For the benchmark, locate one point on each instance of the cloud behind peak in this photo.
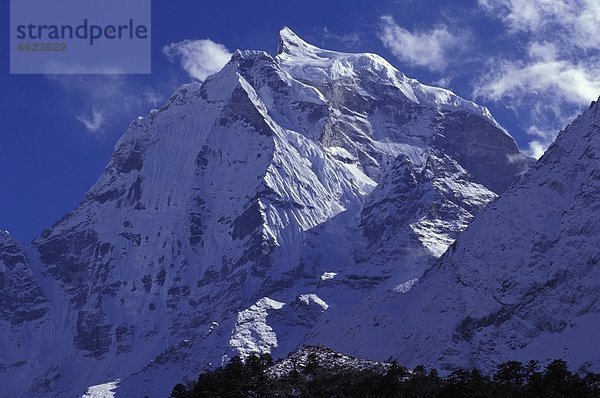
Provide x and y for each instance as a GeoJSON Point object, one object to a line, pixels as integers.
{"type": "Point", "coordinates": [199, 58]}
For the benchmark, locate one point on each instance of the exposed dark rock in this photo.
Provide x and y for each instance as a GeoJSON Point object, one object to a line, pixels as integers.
{"type": "Point", "coordinates": [247, 222]}
{"type": "Point", "coordinates": [135, 191]}
{"type": "Point", "coordinates": [196, 230]}
{"type": "Point", "coordinates": [106, 196]}
{"type": "Point", "coordinates": [201, 158]}
{"type": "Point", "coordinates": [161, 277]}
{"type": "Point", "coordinates": [93, 334]}
{"type": "Point", "coordinates": [135, 239]}
{"type": "Point", "coordinates": [481, 149]}
{"type": "Point", "coordinates": [128, 162]}
{"type": "Point", "coordinates": [124, 338]}
{"type": "Point", "coordinates": [147, 282]}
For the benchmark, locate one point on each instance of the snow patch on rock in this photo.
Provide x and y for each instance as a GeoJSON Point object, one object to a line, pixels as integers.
{"type": "Point", "coordinates": [106, 390]}
{"type": "Point", "coordinates": [251, 333]}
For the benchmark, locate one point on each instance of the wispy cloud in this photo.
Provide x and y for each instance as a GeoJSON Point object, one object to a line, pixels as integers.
{"type": "Point", "coordinates": [432, 49]}
{"type": "Point", "coordinates": [575, 22]}
{"type": "Point", "coordinates": [199, 58]}
{"type": "Point", "coordinates": [559, 69]}
{"type": "Point", "coordinates": [350, 39]}
{"type": "Point", "coordinates": [100, 101]}
{"type": "Point", "coordinates": [92, 123]}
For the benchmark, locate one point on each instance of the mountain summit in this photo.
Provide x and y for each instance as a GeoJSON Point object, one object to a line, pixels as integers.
{"type": "Point", "coordinates": [231, 219]}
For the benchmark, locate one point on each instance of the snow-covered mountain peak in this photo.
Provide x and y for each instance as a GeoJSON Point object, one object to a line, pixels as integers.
{"type": "Point", "coordinates": [218, 215]}
{"type": "Point", "coordinates": [290, 44]}
{"type": "Point", "coordinates": [307, 62]}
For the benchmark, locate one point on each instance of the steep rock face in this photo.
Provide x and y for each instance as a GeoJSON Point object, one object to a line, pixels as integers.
{"type": "Point", "coordinates": [236, 215]}
{"type": "Point", "coordinates": [520, 283]}
{"type": "Point", "coordinates": [428, 206]}
{"type": "Point", "coordinates": [21, 297]}
{"type": "Point", "coordinates": [23, 306]}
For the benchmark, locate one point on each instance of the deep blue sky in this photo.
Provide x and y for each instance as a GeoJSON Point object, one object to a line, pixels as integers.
{"type": "Point", "coordinates": [48, 159]}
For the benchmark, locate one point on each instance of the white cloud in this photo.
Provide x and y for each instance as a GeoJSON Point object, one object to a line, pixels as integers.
{"type": "Point", "coordinates": [544, 51]}
{"type": "Point", "coordinates": [351, 39]}
{"type": "Point", "coordinates": [573, 82]}
{"type": "Point", "coordinates": [199, 58]}
{"type": "Point", "coordinates": [432, 49]}
{"type": "Point", "coordinates": [573, 21]}
{"type": "Point", "coordinates": [517, 14]}
{"type": "Point", "coordinates": [443, 82]}
{"type": "Point", "coordinates": [93, 123]}
{"type": "Point", "coordinates": [559, 69]}
{"type": "Point", "coordinates": [100, 102]}
{"type": "Point", "coordinates": [537, 148]}
{"type": "Point", "coordinates": [540, 141]}
{"type": "Point", "coordinates": [547, 91]}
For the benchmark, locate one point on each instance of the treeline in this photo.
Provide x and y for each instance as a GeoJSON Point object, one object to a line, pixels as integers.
{"type": "Point", "coordinates": [251, 378]}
